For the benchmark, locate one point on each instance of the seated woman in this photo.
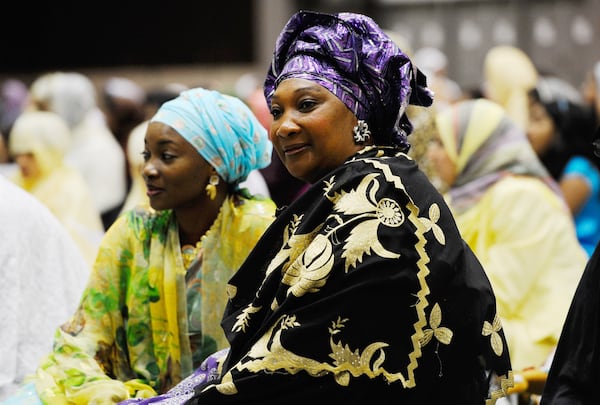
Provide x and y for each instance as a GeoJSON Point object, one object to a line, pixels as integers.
{"type": "Point", "coordinates": [39, 142]}
{"type": "Point", "coordinates": [511, 213]}
{"type": "Point", "coordinates": [560, 130]}
{"type": "Point", "coordinates": [151, 311]}
{"type": "Point", "coordinates": [362, 289]}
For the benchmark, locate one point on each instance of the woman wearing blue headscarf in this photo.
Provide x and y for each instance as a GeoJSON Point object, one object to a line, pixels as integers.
{"type": "Point", "coordinates": [151, 310]}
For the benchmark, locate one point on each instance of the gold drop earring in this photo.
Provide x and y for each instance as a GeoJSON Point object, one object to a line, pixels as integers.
{"type": "Point", "coordinates": [211, 187]}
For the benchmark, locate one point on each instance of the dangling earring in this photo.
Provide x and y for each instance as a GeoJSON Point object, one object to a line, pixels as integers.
{"type": "Point", "coordinates": [211, 187]}
{"type": "Point", "coordinates": [361, 132]}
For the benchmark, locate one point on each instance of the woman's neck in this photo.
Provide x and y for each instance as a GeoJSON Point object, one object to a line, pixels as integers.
{"type": "Point", "coordinates": [194, 223]}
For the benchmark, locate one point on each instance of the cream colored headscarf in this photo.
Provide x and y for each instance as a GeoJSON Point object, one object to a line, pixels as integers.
{"type": "Point", "coordinates": [509, 74]}
{"type": "Point", "coordinates": [46, 136]}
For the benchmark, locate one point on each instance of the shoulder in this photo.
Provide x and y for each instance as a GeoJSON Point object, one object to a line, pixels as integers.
{"type": "Point", "coordinates": [523, 197]}
{"type": "Point", "coordinates": [254, 204]}
{"type": "Point", "coordinates": [581, 166]}
{"type": "Point", "coordinates": [140, 223]}
{"type": "Point", "coordinates": [521, 187]}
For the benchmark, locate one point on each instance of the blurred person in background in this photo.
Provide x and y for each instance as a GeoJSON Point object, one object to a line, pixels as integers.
{"type": "Point", "coordinates": [137, 194]}
{"type": "Point", "coordinates": [508, 76]}
{"type": "Point", "coordinates": [561, 128]}
{"type": "Point", "coordinates": [158, 95]}
{"type": "Point", "coordinates": [434, 64]}
{"type": "Point", "coordinates": [512, 214]}
{"type": "Point", "coordinates": [94, 150]}
{"type": "Point", "coordinates": [123, 105]}
{"type": "Point", "coordinates": [590, 89]}
{"type": "Point", "coordinates": [42, 276]}
{"type": "Point", "coordinates": [575, 368]}
{"type": "Point", "coordinates": [38, 143]}
{"type": "Point", "coordinates": [14, 97]}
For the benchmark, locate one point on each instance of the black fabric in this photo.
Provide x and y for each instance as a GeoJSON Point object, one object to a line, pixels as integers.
{"type": "Point", "coordinates": [337, 300]}
{"type": "Point", "coordinates": [575, 371]}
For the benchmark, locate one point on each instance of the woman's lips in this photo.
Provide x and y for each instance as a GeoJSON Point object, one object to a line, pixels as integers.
{"type": "Point", "coordinates": [294, 149]}
{"type": "Point", "coordinates": [152, 191]}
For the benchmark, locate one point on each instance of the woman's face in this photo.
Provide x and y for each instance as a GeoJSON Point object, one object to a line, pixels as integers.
{"type": "Point", "coordinates": [444, 167]}
{"type": "Point", "coordinates": [28, 166]}
{"type": "Point", "coordinates": [311, 129]}
{"type": "Point", "coordinates": [175, 173]}
{"type": "Point", "coordinates": [540, 128]}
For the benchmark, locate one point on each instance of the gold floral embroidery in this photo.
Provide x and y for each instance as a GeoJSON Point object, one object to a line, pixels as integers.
{"type": "Point", "coordinates": [306, 261]}
{"type": "Point", "coordinates": [431, 223]}
{"type": "Point", "coordinates": [491, 330]}
{"type": "Point", "coordinates": [267, 354]}
{"type": "Point", "coordinates": [354, 361]}
{"type": "Point", "coordinates": [293, 245]}
{"type": "Point", "coordinates": [243, 318]}
{"type": "Point", "coordinates": [309, 272]}
{"type": "Point", "coordinates": [442, 334]}
{"type": "Point", "coordinates": [506, 382]}
{"type": "Point", "coordinates": [361, 203]}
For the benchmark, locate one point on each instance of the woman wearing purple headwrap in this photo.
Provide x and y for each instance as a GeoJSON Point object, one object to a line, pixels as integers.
{"type": "Point", "coordinates": [151, 311]}
{"type": "Point", "coordinates": [362, 289]}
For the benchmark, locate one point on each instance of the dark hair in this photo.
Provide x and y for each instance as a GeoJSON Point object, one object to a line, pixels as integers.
{"type": "Point", "coordinates": [575, 123]}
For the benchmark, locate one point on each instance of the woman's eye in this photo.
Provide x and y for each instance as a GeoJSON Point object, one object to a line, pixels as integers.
{"type": "Point", "coordinates": [145, 155]}
{"type": "Point", "coordinates": [167, 156]}
{"type": "Point", "coordinates": [306, 105]}
{"type": "Point", "coordinates": [275, 112]}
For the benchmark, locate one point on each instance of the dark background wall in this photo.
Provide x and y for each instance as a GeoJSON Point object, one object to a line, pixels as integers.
{"type": "Point", "coordinates": [61, 34]}
{"type": "Point", "coordinates": [198, 40]}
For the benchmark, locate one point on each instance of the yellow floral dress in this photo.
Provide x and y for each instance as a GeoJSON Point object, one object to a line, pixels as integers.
{"type": "Point", "coordinates": [131, 334]}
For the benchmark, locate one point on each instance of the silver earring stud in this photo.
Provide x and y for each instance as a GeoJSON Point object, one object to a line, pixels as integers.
{"type": "Point", "coordinates": [361, 132]}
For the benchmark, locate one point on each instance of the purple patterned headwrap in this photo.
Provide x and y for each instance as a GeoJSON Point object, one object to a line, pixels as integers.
{"type": "Point", "coordinates": [351, 56]}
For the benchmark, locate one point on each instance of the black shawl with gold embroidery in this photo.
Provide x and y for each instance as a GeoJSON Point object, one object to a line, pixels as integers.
{"type": "Point", "coordinates": [363, 290]}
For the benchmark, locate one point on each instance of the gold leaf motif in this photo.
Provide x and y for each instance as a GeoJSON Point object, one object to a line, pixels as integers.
{"type": "Point", "coordinates": [497, 345]}
{"type": "Point", "coordinates": [226, 386]}
{"type": "Point", "coordinates": [343, 378]}
{"type": "Point", "coordinates": [435, 317]}
{"type": "Point", "coordinates": [362, 240]}
{"type": "Point", "coordinates": [231, 291]}
{"type": "Point", "coordinates": [361, 200]}
{"type": "Point", "coordinates": [423, 340]}
{"type": "Point", "coordinates": [431, 223]}
{"type": "Point", "coordinates": [329, 184]}
{"type": "Point", "coordinates": [492, 329]}
{"type": "Point", "coordinates": [310, 272]}
{"type": "Point", "coordinates": [242, 319]}
{"type": "Point", "coordinates": [296, 245]}
{"type": "Point", "coordinates": [358, 243]}
{"type": "Point", "coordinates": [442, 334]}
{"type": "Point", "coordinates": [434, 213]}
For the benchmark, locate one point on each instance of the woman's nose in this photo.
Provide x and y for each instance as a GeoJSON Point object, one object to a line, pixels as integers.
{"type": "Point", "coordinates": [149, 169]}
{"type": "Point", "coordinates": [286, 127]}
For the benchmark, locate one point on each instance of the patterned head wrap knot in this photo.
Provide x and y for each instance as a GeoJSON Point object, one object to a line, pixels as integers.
{"type": "Point", "coordinates": [352, 57]}
{"type": "Point", "coordinates": [223, 130]}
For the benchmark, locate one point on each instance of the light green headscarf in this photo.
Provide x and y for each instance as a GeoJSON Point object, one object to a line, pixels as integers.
{"type": "Point", "coordinates": [223, 130]}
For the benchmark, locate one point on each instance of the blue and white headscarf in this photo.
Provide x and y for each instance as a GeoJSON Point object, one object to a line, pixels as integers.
{"type": "Point", "coordinates": [222, 129]}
